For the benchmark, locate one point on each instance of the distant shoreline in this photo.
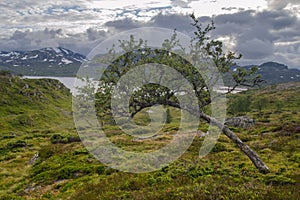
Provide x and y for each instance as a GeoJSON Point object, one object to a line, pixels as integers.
{"type": "Point", "coordinates": [67, 81]}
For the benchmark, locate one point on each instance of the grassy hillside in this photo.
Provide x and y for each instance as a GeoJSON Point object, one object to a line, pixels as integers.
{"type": "Point", "coordinates": [35, 117]}
{"type": "Point", "coordinates": [30, 112]}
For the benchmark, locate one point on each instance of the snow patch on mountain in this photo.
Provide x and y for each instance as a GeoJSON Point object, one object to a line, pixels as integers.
{"type": "Point", "coordinates": [33, 57]}
{"type": "Point", "coordinates": [66, 61]}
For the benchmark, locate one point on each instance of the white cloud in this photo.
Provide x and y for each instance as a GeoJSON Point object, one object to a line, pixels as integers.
{"type": "Point", "coordinates": [73, 15]}
{"type": "Point", "coordinates": [209, 7]}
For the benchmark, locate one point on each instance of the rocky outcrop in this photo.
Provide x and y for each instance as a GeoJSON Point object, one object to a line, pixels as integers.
{"type": "Point", "coordinates": [241, 121]}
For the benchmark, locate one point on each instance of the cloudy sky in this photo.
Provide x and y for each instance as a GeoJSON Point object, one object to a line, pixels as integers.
{"type": "Point", "coordinates": [262, 30]}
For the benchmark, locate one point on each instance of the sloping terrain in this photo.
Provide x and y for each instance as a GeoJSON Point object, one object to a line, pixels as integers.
{"type": "Point", "coordinates": [41, 156]}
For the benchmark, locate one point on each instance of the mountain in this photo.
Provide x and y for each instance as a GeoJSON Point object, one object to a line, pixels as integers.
{"type": "Point", "coordinates": [274, 73]}
{"type": "Point", "coordinates": [64, 62]}
{"type": "Point", "coordinates": [43, 62]}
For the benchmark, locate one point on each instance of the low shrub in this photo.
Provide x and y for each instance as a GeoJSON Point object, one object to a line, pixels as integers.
{"type": "Point", "coordinates": [278, 180]}
{"type": "Point", "coordinates": [57, 138]}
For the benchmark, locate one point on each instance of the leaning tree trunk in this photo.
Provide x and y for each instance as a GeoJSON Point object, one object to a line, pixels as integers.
{"type": "Point", "coordinates": [259, 164]}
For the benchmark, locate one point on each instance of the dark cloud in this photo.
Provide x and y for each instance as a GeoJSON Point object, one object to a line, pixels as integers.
{"type": "Point", "coordinates": [122, 25]}
{"type": "Point", "coordinates": [82, 42]}
{"type": "Point", "coordinates": [276, 19]}
{"type": "Point", "coordinates": [180, 3]}
{"type": "Point", "coordinates": [257, 35]}
{"type": "Point", "coordinates": [179, 22]}
{"type": "Point", "coordinates": [240, 18]}
{"type": "Point", "coordinates": [31, 40]}
{"type": "Point", "coordinates": [255, 49]}
{"type": "Point", "coordinates": [94, 34]}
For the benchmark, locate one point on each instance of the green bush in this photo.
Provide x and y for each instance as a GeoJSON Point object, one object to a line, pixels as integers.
{"type": "Point", "coordinates": [13, 146]}
{"type": "Point", "coordinates": [49, 150]}
{"type": "Point", "coordinates": [57, 138]}
{"type": "Point", "coordinates": [218, 147]}
{"type": "Point", "coordinates": [17, 144]}
{"type": "Point", "coordinates": [240, 104]}
{"type": "Point", "coordinates": [11, 197]}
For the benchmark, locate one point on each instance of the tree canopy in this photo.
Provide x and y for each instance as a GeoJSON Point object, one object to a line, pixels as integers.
{"type": "Point", "coordinates": [203, 52]}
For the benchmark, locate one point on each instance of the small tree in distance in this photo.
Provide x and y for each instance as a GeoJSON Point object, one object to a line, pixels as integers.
{"type": "Point", "coordinates": [241, 104]}
{"type": "Point", "coordinates": [259, 104]}
{"type": "Point", "coordinates": [168, 116]}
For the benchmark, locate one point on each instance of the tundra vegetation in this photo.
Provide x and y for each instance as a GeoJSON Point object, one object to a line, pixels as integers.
{"type": "Point", "coordinates": [42, 124]}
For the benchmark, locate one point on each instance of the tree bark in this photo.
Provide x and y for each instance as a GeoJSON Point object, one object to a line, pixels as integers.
{"type": "Point", "coordinates": [256, 160]}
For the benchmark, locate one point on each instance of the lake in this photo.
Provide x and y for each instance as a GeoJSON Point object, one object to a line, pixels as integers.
{"type": "Point", "coordinates": [69, 83]}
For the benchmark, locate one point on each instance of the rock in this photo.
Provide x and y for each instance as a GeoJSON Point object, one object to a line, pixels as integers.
{"type": "Point", "coordinates": [241, 121]}
{"type": "Point", "coordinates": [137, 139]}
{"type": "Point", "coordinates": [201, 134]}
{"type": "Point", "coordinates": [33, 159]}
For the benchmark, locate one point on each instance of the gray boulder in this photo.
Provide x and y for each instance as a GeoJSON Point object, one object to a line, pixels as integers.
{"type": "Point", "coordinates": [241, 121]}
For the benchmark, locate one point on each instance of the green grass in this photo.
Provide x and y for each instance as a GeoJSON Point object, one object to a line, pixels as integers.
{"type": "Point", "coordinates": [38, 118]}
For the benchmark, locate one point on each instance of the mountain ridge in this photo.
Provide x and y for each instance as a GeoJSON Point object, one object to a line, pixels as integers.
{"type": "Point", "coordinates": [60, 62]}
{"type": "Point", "coordinates": [42, 62]}
{"type": "Point", "coordinates": [274, 72]}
